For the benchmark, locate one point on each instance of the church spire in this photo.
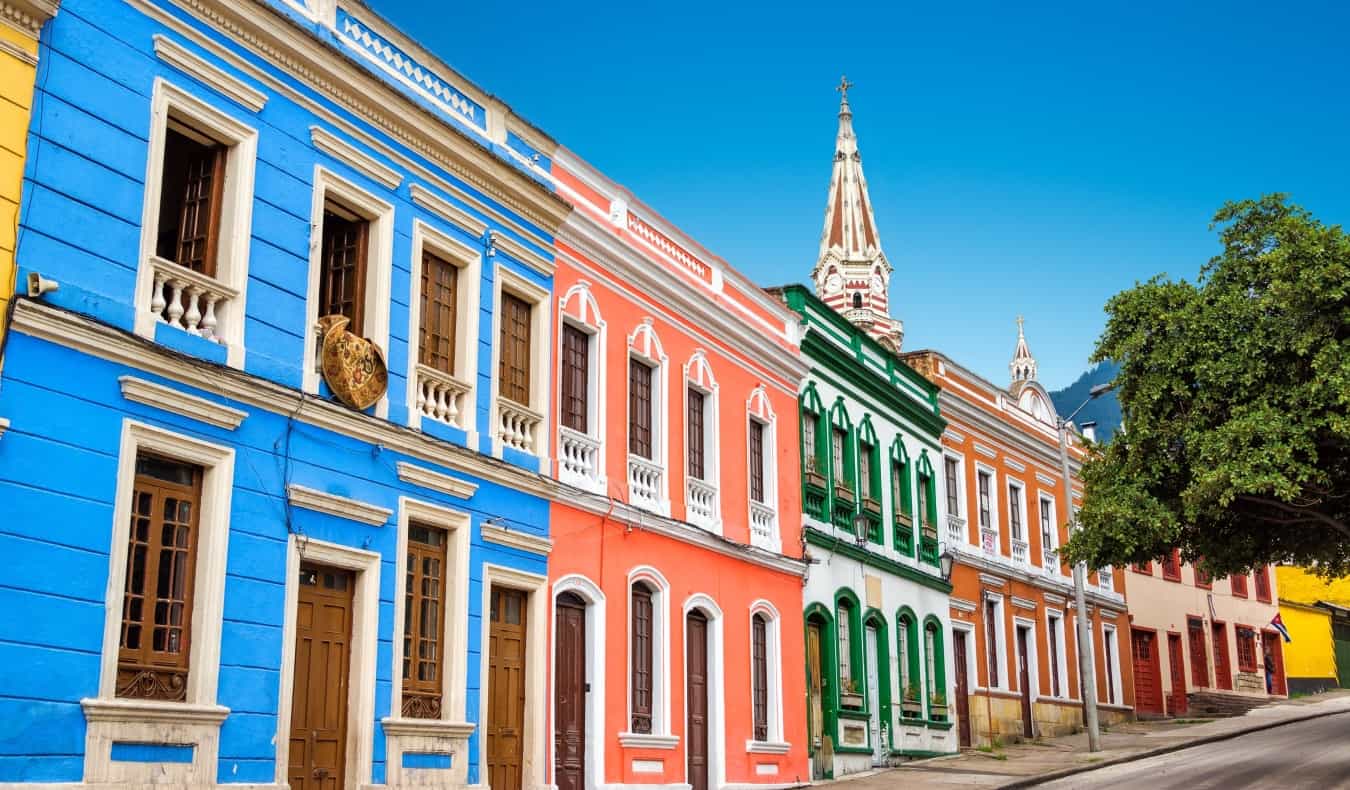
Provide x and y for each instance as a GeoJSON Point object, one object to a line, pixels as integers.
{"type": "Point", "coordinates": [1023, 365]}
{"type": "Point", "coordinates": [851, 273]}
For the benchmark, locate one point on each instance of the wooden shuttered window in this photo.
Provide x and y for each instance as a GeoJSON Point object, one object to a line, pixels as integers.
{"type": "Point", "coordinates": [424, 622]}
{"type": "Point", "coordinates": [759, 660]}
{"type": "Point", "coordinates": [342, 267]}
{"type": "Point", "coordinates": [1047, 529]}
{"type": "Point", "coordinates": [1195, 629]}
{"type": "Point", "coordinates": [641, 659]}
{"type": "Point", "coordinates": [639, 409]}
{"type": "Point", "coordinates": [697, 425]}
{"type": "Point", "coordinates": [924, 490]}
{"type": "Point", "coordinates": [513, 367]}
{"type": "Point", "coordinates": [865, 471]}
{"type": "Point", "coordinates": [440, 304]}
{"type": "Point", "coordinates": [152, 661]}
{"type": "Point", "coordinates": [757, 461]}
{"type": "Point", "coordinates": [189, 201]}
{"type": "Point", "coordinates": [838, 446]}
{"type": "Point", "coordinates": [575, 378]}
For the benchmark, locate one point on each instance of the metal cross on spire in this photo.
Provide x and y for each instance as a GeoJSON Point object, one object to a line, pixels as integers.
{"type": "Point", "coordinates": [844, 85]}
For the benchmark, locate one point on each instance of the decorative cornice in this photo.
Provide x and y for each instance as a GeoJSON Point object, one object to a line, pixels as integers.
{"type": "Point", "coordinates": [633, 740]}
{"type": "Point", "coordinates": [349, 155]}
{"type": "Point", "coordinates": [962, 605]}
{"type": "Point", "coordinates": [447, 211]}
{"type": "Point", "coordinates": [1055, 600]}
{"type": "Point", "coordinates": [1045, 479]}
{"type": "Point", "coordinates": [191, 406]}
{"type": "Point", "coordinates": [521, 253]}
{"type": "Point", "coordinates": [985, 451]}
{"type": "Point", "coordinates": [131, 711]}
{"type": "Point", "coordinates": [504, 536]}
{"type": "Point", "coordinates": [420, 476]}
{"type": "Point", "coordinates": [178, 56]}
{"type": "Point", "coordinates": [427, 728]}
{"type": "Point", "coordinates": [767, 747]}
{"type": "Point", "coordinates": [335, 505]}
{"type": "Point", "coordinates": [1023, 603]}
{"type": "Point", "coordinates": [1016, 466]}
{"type": "Point", "coordinates": [993, 581]}
{"type": "Point", "coordinates": [28, 16]}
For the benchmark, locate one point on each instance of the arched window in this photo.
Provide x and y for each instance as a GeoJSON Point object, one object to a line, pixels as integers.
{"type": "Point", "coordinates": [902, 506]}
{"type": "Point", "coordinates": [936, 669]}
{"type": "Point", "coordinates": [926, 509]}
{"type": "Point", "coordinates": [647, 420]}
{"type": "Point", "coordinates": [766, 661]}
{"type": "Point", "coordinates": [848, 630]}
{"type": "Point", "coordinates": [869, 479]}
{"type": "Point", "coordinates": [857, 299]}
{"type": "Point", "coordinates": [907, 645]}
{"type": "Point", "coordinates": [642, 630]}
{"type": "Point", "coordinates": [843, 472]}
{"type": "Point", "coordinates": [702, 461]}
{"type": "Point", "coordinates": [581, 401]}
{"type": "Point", "coordinates": [648, 653]}
{"type": "Point", "coordinates": [815, 475]}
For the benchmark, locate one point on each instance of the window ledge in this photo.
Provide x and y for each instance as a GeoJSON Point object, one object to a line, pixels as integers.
{"type": "Point", "coordinates": [633, 740]}
{"type": "Point", "coordinates": [767, 747]}
{"type": "Point", "coordinates": [436, 728]}
{"type": "Point", "coordinates": [157, 711]}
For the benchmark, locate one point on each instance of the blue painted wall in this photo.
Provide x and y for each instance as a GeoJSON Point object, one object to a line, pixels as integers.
{"type": "Point", "coordinates": [83, 192]}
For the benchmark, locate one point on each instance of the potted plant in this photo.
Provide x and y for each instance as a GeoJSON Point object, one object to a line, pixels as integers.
{"type": "Point", "coordinates": [813, 473]}
{"type": "Point", "coordinates": [937, 706]}
{"type": "Point", "coordinates": [871, 506]}
{"type": "Point", "coordinates": [843, 491]}
{"type": "Point", "coordinates": [912, 704]}
{"type": "Point", "coordinates": [849, 696]}
{"type": "Point", "coordinates": [928, 529]}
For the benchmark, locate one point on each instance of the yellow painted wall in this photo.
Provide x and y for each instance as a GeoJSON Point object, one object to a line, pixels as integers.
{"type": "Point", "coordinates": [17, 76]}
{"type": "Point", "coordinates": [1311, 654]}
{"type": "Point", "coordinates": [1301, 586]}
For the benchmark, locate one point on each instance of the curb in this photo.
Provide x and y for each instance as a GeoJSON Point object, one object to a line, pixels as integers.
{"type": "Point", "coordinates": [1033, 781]}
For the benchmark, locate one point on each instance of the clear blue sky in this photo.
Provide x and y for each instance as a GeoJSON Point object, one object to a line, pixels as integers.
{"type": "Point", "coordinates": [1022, 157]}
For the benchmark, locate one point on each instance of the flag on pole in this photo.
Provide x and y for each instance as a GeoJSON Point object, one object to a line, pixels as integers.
{"type": "Point", "coordinates": [1279, 626]}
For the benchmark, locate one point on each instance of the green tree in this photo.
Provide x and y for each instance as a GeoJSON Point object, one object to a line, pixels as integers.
{"type": "Point", "coordinates": [1235, 393]}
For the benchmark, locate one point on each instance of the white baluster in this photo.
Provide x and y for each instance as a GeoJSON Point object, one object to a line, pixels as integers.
{"type": "Point", "coordinates": [176, 303]}
{"type": "Point", "coordinates": [157, 297]}
{"type": "Point", "coordinates": [209, 317]}
{"type": "Point", "coordinates": [192, 318]}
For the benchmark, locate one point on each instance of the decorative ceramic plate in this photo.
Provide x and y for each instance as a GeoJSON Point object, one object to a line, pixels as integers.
{"type": "Point", "coordinates": [353, 366]}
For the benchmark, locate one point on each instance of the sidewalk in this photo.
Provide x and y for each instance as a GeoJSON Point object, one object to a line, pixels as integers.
{"type": "Point", "coordinates": [1027, 764]}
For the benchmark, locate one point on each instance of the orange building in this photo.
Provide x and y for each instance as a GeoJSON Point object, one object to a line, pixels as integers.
{"type": "Point", "coordinates": [676, 570]}
{"type": "Point", "coordinates": [1012, 603]}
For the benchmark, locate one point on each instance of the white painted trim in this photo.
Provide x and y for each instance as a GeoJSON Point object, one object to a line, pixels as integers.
{"type": "Point", "coordinates": [534, 748]}
{"type": "Point", "coordinates": [1023, 603]}
{"type": "Point", "coordinates": [661, 673]}
{"type": "Point", "coordinates": [172, 400]}
{"type": "Point", "coordinates": [773, 659]}
{"type": "Point", "coordinates": [1033, 661]}
{"type": "Point", "coordinates": [961, 499]}
{"type": "Point", "coordinates": [962, 605]}
{"type": "Point", "coordinates": [352, 157]}
{"type": "Point", "coordinates": [186, 61]}
{"type": "Point", "coordinates": [521, 253]}
{"type": "Point", "coordinates": [632, 740]}
{"type": "Point", "coordinates": [435, 481]}
{"type": "Point", "coordinates": [1043, 496]}
{"type": "Point", "coordinates": [505, 536]}
{"type": "Point", "coordinates": [335, 505]}
{"type": "Point", "coordinates": [236, 210]}
{"type": "Point", "coordinates": [717, 715]}
{"type": "Point", "coordinates": [504, 279]}
{"type": "Point", "coordinates": [364, 648]}
{"type": "Point", "coordinates": [1000, 641]}
{"type": "Point", "coordinates": [644, 345]}
{"type": "Point", "coordinates": [1054, 622]}
{"type": "Point", "coordinates": [995, 516]}
{"type": "Point", "coordinates": [697, 374]}
{"type": "Point", "coordinates": [589, 320]}
{"type": "Point", "coordinates": [766, 747]}
{"type": "Point", "coordinates": [468, 304]}
{"type": "Point", "coordinates": [446, 211]}
{"type": "Point", "coordinates": [770, 450]}
{"type": "Point", "coordinates": [1111, 658]}
{"type": "Point", "coordinates": [596, 666]}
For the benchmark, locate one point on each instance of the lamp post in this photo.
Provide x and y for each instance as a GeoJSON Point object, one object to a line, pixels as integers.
{"type": "Point", "coordinates": [1086, 672]}
{"type": "Point", "coordinates": [945, 562]}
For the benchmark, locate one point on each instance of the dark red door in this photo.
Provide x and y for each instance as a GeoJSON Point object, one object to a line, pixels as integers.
{"type": "Point", "coordinates": [1270, 641]}
{"type": "Point", "coordinates": [696, 690]}
{"type": "Point", "coordinates": [1223, 667]}
{"type": "Point", "coordinates": [569, 705]}
{"type": "Point", "coordinates": [962, 688]}
{"type": "Point", "coordinates": [1024, 680]}
{"type": "Point", "coordinates": [1147, 679]}
{"type": "Point", "coordinates": [1195, 629]}
{"type": "Point", "coordinates": [1178, 701]}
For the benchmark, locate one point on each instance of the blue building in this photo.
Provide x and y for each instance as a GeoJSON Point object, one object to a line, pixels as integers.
{"type": "Point", "coordinates": [219, 571]}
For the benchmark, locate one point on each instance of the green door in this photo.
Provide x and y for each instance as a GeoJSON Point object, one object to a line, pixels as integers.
{"type": "Point", "coordinates": [1340, 633]}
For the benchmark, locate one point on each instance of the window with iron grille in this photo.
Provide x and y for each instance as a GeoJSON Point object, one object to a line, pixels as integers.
{"type": "Point", "coordinates": [1262, 577]}
{"type": "Point", "coordinates": [759, 649]}
{"type": "Point", "coordinates": [513, 366]}
{"type": "Point", "coordinates": [440, 304]}
{"type": "Point", "coordinates": [1195, 629]}
{"type": "Point", "coordinates": [842, 626]}
{"type": "Point", "coordinates": [982, 482]}
{"type": "Point", "coordinates": [757, 461]}
{"type": "Point", "coordinates": [424, 622]}
{"type": "Point", "coordinates": [642, 658]}
{"type": "Point", "coordinates": [950, 469]}
{"type": "Point", "coordinates": [1246, 649]}
{"type": "Point", "coordinates": [190, 198]}
{"type": "Point", "coordinates": [639, 409]}
{"type": "Point", "coordinates": [153, 652]}
{"type": "Point", "coordinates": [695, 421]}
{"type": "Point", "coordinates": [342, 266]}
{"type": "Point", "coordinates": [575, 378]}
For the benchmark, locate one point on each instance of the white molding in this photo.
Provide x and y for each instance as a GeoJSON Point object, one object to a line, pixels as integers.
{"type": "Point", "coordinates": [633, 740]}
{"type": "Point", "coordinates": [985, 451]}
{"type": "Point", "coordinates": [1016, 466]}
{"type": "Point", "coordinates": [4, 426]}
{"type": "Point", "coordinates": [661, 676]}
{"type": "Point", "coordinates": [335, 505]}
{"type": "Point", "coordinates": [353, 157]}
{"type": "Point", "coordinates": [438, 728]}
{"type": "Point", "coordinates": [993, 581]}
{"type": "Point", "coordinates": [715, 679]}
{"type": "Point", "coordinates": [767, 747]}
{"type": "Point", "coordinates": [447, 212]}
{"type": "Point", "coordinates": [505, 536]}
{"type": "Point", "coordinates": [521, 253]}
{"type": "Point", "coordinates": [172, 400]}
{"type": "Point", "coordinates": [595, 670]}
{"type": "Point", "coordinates": [534, 748]}
{"type": "Point", "coordinates": [1023, 603]}
{"type": "Point", "coordinates": [1051, 598]}
{"type": "Point", "coordinates": [1046, 480]}
{"type": "Point", "coordinates": [962, 605]}
{"type": "Point", "coordinates": [178, 56]}
{"type": "Point", "coordinates": [541, 379]}
{"type": "Point", "coordinates": [126, 711]}
{"type": "Point", "coordinates": [435, 481]}
{"type": "Point", "coordinates": [468, 262]}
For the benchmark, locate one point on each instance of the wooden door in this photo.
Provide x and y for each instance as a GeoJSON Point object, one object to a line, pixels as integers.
{"type": "Point", "coordinates": [1223, 666]}
{"type": "Point", "coordinates": [1270, 642]}
{"type": "Point", "coordinates": [569, 681]}
{"type": "Point", "coordinates": [1147, 677]}
{"type": "Point", "coordinates": [1178, 702]}
{"type": "Point", "coordinates": [696, 703]}
{"type": "Point", "coordinates": [1195, 630]}
{"type": "Point", "coordinates": [1340, 640]}
{"type": "Point", "coordinates": [962, 688]}
{"type": "Point", "coordinates": [815, 714]}
{"type": "Point", "coordinates": [323, 632]}
{"type": "Point", "coordinates": [506, 688]}
{"type": "Point", "coordinates": [1024, 680]}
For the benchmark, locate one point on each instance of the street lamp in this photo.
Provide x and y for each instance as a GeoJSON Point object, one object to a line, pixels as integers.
{"type": "Point", "coordinates": [945, 562]}
{"type": "Point", "coordinates": [860, 529]}
{"type": "Point", "coordinates": [1086, 672]}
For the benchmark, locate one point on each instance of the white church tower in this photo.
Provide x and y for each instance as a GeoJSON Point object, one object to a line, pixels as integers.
{"type": "Point", "coordinates": [852, 274]}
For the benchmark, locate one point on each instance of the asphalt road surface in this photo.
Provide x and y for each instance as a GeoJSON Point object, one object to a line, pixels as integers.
{"type": "Point", "coordinates": [1309, 754]}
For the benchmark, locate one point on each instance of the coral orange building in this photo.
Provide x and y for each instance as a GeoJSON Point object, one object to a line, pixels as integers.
{"type": "Point", "coordinates": [676, 571]}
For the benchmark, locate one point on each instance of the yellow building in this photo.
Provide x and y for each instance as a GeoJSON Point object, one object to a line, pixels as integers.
{"type": "Point", "coordinates": [20, 23]}
{"type": "Point", "coordinates": [1317, 614]}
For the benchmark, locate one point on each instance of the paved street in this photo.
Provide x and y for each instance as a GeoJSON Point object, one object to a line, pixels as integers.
{"type": "Point", "coordinates": [1309, 754]}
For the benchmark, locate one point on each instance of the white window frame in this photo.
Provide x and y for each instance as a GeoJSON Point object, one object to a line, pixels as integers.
{"type": "Point", "coordinates": [972, 666]}
{"type": "Point", "coordinates": [1021, 502]}
{"type": "Point", "coordinates": [960, 483]}
{"type": "Point", "coordinates": [196, 720]}
{"type": "Point", "coordinates": [716, 681]}
{"type": "Point", "coordinates": [760, 410]}
{"type": "Point", "coordinates": [775, 743]}
{"type": "Point", "coordinates": [596, 663]}
{"type": "Point", "coordinates": [698, 376]}
{"type": "Point", "coordinates": [995, 520]}
{"type": "Point", "coordinates": [1054, 623]}
{"type": "Point", "coordinates": [426, 238]}
{"type": "Point", "coordinates": [1033, 656]}
{"type": "Point", "coordinates": [379, 264]}
{"type": "Point", "coordinates": [534, 749]}
{"type": "Point", "coordinates": [1111, 659]}
{"type": "Point", "coordinates": [1000, 642]}
{"type": "Point", "coordinates": [1043, 496]}
{"type": "Point", "coordinates": [586, 317]}
{"type": "Point", "coordinates": [236, 209]}
{"type": "Point", "coordinates": [661, 736]}
{"type": "Point", "coordinates": [540, 320]}
{"type": "Point", "coordinates": [644, 346]}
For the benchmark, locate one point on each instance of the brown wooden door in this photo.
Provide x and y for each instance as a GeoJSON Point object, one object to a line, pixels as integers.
{"type": "Point", "coordinates": [696, 705]}
{"type": "Point", "coordinates": [506, 688]}
{"type": "Point", "coordinates": [1024, 680]}
{"type": "Point", "coordinates": [1147, 679]}
{"type": "Point", "coordinates": [1195, 632]}
{"type": "Point", "coordinates": [1178, 702]}
{"type": "Point", "coordinates": [323, 631]}
{"type": "Point", "coordinates": [815, 713]}
{"type": "Point", "coordinates": [569, 706]}
{"type": "Point", "coordinates": [962, 687]}
{"type": "Point", "coordinates": [1223, 665]}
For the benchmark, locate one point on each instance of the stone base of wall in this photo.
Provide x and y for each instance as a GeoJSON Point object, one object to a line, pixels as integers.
{"type": "Point", "coordinates": [1049, 719]}
{"type": "Point", "coordinates": [1312, 685]}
